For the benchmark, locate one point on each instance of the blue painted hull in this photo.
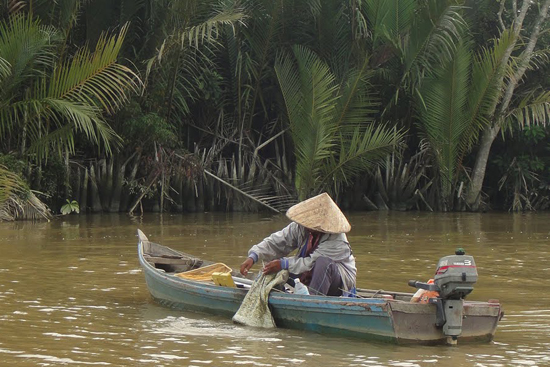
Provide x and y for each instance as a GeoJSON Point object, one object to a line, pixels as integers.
{"type": "Point", "coordinates": [366, 318]}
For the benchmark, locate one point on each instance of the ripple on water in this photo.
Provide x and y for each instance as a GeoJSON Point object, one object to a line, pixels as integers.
{"type": "Point", "coordinates": [58, 360]}
{"type": "Point", "coordinates": [206, 327]}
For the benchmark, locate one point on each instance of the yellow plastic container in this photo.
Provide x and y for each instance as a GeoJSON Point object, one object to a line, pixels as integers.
{"type": "Point", "coordinates": [223, 279]}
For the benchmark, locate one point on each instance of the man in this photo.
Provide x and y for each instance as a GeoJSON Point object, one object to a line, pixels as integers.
{"type": "Point", "coordinates": [324, 260]}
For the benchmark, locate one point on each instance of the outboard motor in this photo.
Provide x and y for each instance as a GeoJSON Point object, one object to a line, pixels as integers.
{"type": "Point", "coordinates": [454, 280]}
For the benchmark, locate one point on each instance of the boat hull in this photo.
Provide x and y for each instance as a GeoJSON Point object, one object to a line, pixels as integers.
{"type": "Point", "coordinates": [365, 318]}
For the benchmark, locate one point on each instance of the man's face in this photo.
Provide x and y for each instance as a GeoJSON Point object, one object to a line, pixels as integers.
{"type": "Point", "coordinates": [313, 233]}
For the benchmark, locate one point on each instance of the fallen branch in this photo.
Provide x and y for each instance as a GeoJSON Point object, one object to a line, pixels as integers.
{"type": "Point", "coordinates": [241, 191]}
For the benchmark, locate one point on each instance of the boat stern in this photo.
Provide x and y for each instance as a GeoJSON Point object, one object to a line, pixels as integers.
{"type": "Point", "coordinates": [417, 323]}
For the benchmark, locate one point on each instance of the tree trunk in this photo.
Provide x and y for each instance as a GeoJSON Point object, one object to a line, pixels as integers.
{"type": "Point", "coordinates": [118, 179]}
{"type": "Point", "coordinates": [189, 204]}
{"type": "Point", "coordinates": [162, 189]}
{"type": "Point", "coordinates": [126, 193]}
{"type": "Point", "coordinates": [96, 201]}
{"type": "Point", "coordinates": [106, 182]}
{"type": "Point", "coordinates": [76, 191]}
{"type": "Point", "coordinates": [237, 203]}
{"type": "Point", "coordinates": [210, 198]}
{"type": "Point", "coordinates": [478, 175]}
{"type": "Point", "coordinates": [150, 181]}
{"type": "Point", "coordinates": [37, 181]}
{"type": "Point", "coordinates": [178, 186]}
{"type": "Point", "coordinates": [473, 195]}
{"type": "Point", "coordinates": [84, 191]}
{"type": "Point", "coordinates": [67, 175]}
{"type": "Point", "coordinates": [200, 195]}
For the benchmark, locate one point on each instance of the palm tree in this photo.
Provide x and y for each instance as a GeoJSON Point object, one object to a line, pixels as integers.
{"type": "Point", "coordinates": [332, 128]}
{"type": "Point", "coordinates": [454, 107]}
{"type": "Point", "coordinates": [47, 102]}
{"type": "Point", "coordinates": [410, 39]}
{"type": "Point", "coordinates": [519, 60]}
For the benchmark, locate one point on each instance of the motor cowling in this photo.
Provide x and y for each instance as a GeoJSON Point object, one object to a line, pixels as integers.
{"type": "Point", "coordinates": [455, 275]}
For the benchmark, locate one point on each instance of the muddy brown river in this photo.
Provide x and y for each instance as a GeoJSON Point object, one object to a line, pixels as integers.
{"type": "Point", "coordinates": [72, 292]}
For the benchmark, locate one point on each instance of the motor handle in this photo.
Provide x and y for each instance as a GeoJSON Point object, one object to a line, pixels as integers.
{"type": "Point", "coordinates": [422, 285]}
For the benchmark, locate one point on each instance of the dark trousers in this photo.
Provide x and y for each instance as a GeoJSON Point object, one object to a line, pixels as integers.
{"type": "Point", "coordinates": [325, 278]}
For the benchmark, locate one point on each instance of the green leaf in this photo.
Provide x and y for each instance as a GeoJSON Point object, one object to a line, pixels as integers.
{"type": "Point", "coordinates": [71, 206]}
{"type": "Point", "coordinates": [330, 123]}
{"type": "Point", "coordinates": [53, 100]}
{"type": "Point", "coordinates": [444, 118]}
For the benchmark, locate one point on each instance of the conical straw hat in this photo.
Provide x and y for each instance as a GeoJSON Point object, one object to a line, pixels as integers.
{"type": "Point", "coordinates": [319, 213]}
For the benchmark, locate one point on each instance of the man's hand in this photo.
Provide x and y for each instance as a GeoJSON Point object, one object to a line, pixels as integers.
{"type": "Point", "coordinates": [271, 267]}
{"type": "Point", "coordinates": [246, 265]}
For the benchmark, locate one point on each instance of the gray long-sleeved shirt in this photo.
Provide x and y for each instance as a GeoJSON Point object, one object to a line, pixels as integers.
{"type": "Point", "coordinates": [294, 236]}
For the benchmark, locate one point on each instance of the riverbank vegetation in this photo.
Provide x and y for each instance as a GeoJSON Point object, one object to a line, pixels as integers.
{"type": "Point", "coordinates": [227, 105]}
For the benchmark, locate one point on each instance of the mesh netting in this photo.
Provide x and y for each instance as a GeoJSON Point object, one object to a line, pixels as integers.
{"type": "Point", "coordinates": [205, 273]}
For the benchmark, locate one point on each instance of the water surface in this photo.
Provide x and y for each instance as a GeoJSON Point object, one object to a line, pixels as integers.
{"type": "Point", "coordinates": [72, 292]}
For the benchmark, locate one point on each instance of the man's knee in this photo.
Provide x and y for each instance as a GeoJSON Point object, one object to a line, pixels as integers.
{"type": "Point", "coordinates": [326, 277]}
{"type": "Point", "coordinates": [325, 265]}
{"type": "Point", "coordinates": [323, 262]}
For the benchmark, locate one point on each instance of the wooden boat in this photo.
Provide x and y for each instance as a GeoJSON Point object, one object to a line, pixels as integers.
{"type": "Point", "coordinates": [373, 315]}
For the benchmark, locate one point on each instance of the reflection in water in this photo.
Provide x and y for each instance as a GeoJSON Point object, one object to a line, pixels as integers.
{"type": "Point", "coordinates": [72, 293]}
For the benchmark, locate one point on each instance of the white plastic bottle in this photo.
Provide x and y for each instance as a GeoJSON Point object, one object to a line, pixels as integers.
{"type": "Point", "coordinates": [416, 297]}
{"type": "Point", "coordinates": [299, 287]}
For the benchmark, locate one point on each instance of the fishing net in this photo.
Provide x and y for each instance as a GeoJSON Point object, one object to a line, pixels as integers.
{"type": "Point", "coordinates": [205, 273]}
{"type": "Point", "coordinates": [254, 310]}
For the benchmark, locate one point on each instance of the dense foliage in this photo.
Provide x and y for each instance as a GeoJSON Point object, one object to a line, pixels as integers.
{"type": "Point", "coordinates": [187, 105]}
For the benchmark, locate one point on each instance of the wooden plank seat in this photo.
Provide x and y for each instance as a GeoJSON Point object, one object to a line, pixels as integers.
{"type": "Point", "coordinates": [172, 263]}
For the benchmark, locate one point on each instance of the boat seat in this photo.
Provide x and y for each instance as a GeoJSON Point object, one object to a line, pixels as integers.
{"type": "Point", "coordinates": [172, 264]}
{"type": "Point", "coordinates": [173, 260]}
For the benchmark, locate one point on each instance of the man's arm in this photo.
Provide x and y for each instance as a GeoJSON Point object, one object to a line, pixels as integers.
{"type": "Point", "coordinates": [275, 246]}
{"type": "Point", "coordinates": [334, 247]}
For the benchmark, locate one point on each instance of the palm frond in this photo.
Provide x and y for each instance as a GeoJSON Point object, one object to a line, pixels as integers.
{"type": "Point", "coordinates": [95, 78]}
{"type": "Point", "coordinates": [68, 12]}
{"type": "Point", "coordinates": [488, 74]}
{"type": "Point", "coordinates": [360, 152]}
{"type": "Point", "coordinates": [444, 117]}
{"type": "Point", "coordinates": [358, 103]}
{"type": "Point", "coordinates": [318, 85]}
{"type": "Point", "coordinates": [266, 25]}
{"type": "Point", "coordinates": [26, 50]}
{"type": "Point", "coordinates": [401, 183]}
{"type": "Point", "coordinates": [24, 207]}
{"type": "Point", "coordinates": [75, 95]}
{"type": "Point", "coordinates": [333, 141]}
{"type": "Point", "coordinates": [209, 30]}
{"type": "Point", "coordinates": [539, 59]}
{"type": "Point", "coordinates": [129, 8]}
{"type": "Point", "coordinates": [58, 135]}
{"type": "Point", "coordinates": [532, 110]}
{"type": "Point", "coordinates": [10, 184]}
{"type": "Point", "coordinates": [390, 18]}
{"type": "Point", "coordinates": [315, 7]}
{"type": "Point", "coordinates": [5, 69]}
{"type": "Point", "coordinates": [58, 141]}
{"type": "Point", "coordinates": [14, 6]}
{"type": "Point", "coordinates": [434, 34]}
{"type": "Point", "coordinates": [287, 75]}
{"type": "Point", "coordinates": [334, 40]}
{"type": "Point", "coordinates": [17, 201]}
{"type": "Point", "coordinates": [193, 36]}
{"type": "Point", "coordinates": [309, 91]}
